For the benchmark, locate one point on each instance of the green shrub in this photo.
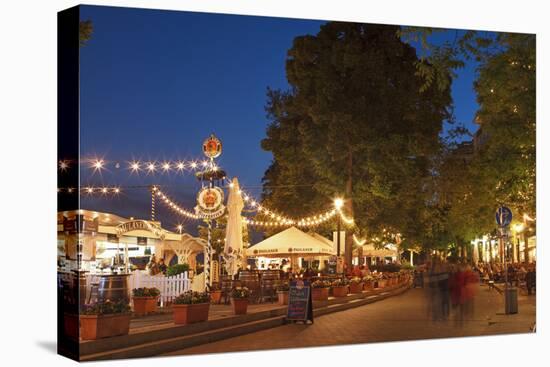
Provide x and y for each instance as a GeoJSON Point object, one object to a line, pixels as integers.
{"type": "Point", "coordinates": [240, 292]}
{"type": "Point", "coordinates": [190, 297]}
{"type": "Point", "coordinates": [145, 292]}
{"type": "Point", "coordinates": [177, 269]}
{"type": "Point", "coordinates": [106, 307]}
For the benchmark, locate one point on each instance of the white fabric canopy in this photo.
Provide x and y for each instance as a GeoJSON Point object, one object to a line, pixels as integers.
{"type": "Point", "coordinates": [323, 239]}
{"type": "Point", "coordinates": [233, 249]}
{"type": "Point", "coordinates": [291, 241]}
{"type": "Point", "coordinates": [370, 251]}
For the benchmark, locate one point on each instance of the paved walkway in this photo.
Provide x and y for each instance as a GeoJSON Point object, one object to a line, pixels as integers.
{"type": "Point", "coordinates": [403, 317]}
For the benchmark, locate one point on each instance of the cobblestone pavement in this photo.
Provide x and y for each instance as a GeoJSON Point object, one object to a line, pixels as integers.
{"type": "Point", "coordinates": [403, 317]}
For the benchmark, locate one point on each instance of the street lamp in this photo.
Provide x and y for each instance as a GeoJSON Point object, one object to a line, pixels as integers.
{"type": "Point", "coordinates": [180, 228]}
{"type": "Point", "coordinates": [338, 204]}
{"type": "Point", "coordinates": [526, 218]}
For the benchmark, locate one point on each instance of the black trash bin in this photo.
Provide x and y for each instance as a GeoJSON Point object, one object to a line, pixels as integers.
{"type": "Point", "coordinates": [510, 300]}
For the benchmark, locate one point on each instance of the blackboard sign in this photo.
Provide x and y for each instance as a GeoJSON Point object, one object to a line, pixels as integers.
{"type": "Point", "coordinates": [299, 301]}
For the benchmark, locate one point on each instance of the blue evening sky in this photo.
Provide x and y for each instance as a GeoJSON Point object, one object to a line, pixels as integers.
{"type": "Point", "coordinates": [154, 84]}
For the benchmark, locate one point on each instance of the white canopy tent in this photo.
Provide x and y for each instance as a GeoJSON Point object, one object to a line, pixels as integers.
{"type": "Point", "coordinates": [370, 251]}
{"type": "Point", "coordinates": [323, 239]}
{"type": "Point", "coordinates": [289, 242]}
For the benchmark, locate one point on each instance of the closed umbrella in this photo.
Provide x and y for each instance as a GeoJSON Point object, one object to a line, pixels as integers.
{"type": "Point", "coordinates": [233, 249]}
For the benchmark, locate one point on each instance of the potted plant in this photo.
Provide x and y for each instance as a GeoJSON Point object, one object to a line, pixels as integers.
{"type": "Point", "coordinates": [145, 300]}
{"type": "Point", "coordinates": [368, 282]}
{"type": "Point", "coordinates": [382, 280]}
{"type": "Point", "coordinates": [239, 300]}
{"type": "Point", "coordinates": [394, 278]}
{"type": "Point", "coordinates": [319, 290]}
{"type": "Point", "coordinates": [282, 293]}
{"type": "Point", "coordinates": [340, 287]}
{"type": "Point", "coordinates": [190, 307]}
{"type": "Point", "coordinates": [356, 285]}
{"type": "Point", "coordinates": [104, 319]}
{"type": "Point", "coordinates": [215, 294]}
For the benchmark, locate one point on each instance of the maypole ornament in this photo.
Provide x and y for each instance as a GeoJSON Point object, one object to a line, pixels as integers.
{"type": "Point", "coordinates": [210, 203]}
{"type": "Point", "coordinates": [212, 147]}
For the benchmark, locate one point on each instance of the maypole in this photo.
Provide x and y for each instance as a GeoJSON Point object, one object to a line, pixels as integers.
{"type": "Point", "coordinates": [210, 197]}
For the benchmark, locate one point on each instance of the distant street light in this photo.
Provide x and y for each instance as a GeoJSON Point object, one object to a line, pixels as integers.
{"type": "Point", "coordinates": [338, 204]}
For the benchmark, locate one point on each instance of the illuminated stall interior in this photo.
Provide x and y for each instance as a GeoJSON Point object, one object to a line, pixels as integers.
{"type": "Point", "coordinates": [105, 243]}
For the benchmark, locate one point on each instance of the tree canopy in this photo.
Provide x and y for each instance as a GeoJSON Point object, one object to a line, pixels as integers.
{"type": "Point", "coordinates": [355, 123]}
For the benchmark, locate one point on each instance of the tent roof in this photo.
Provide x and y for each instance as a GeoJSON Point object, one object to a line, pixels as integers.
{"type": "Point", "coordinates": [291, 241]}
{"type": "Point", "coordinates": [371, 251]}
{"type": "Point", "coordinates": [323, 239]}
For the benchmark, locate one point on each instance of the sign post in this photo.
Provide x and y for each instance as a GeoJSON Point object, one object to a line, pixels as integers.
{"type": "Point", "coordinates": [299, 301]}
{"type": "Point", "coordinates": [503, 218]}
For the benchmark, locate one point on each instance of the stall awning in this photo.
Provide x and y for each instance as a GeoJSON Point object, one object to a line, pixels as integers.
{"type": "Point", "coordinates": [370, 251]}
{"type": "Point", "coordinates": [291, 241]}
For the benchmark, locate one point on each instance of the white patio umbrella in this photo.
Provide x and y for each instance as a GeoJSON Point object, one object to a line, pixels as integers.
{"type": "Point", "coordinates": [233, 249]}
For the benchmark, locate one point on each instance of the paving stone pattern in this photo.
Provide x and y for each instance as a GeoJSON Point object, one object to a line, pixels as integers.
{"type": "Point", "coordinates": [403, 317]}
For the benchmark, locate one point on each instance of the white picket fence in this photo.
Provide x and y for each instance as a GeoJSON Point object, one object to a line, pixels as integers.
{"type": "Point", "coordinates": [170, 287]}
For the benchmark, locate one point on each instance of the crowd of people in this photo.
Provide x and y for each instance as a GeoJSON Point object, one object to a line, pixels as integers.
{"type": "Point", "coordinates": [451, 287]}
{"type": "Point", "coordinates": [519, 274]}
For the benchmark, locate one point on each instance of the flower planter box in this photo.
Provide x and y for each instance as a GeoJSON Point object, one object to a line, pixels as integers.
{"type": "Point", "coordinates": [283, 297]}
{"type": "Point", "coordinates": [340, 291]}
{"type": "Point", "coordinates": [104, 326]}
{"type": "Point", "coordinates": [368, 286]}
{"type": "Point", "coordinates": [240, 305]}
{"type": "Point", "coordinates": [145, 305]}
{"type": "Point", "coordinates": [190, 313]}
{"type": "Point", "coordinates": [215, 297]}
{"type": "Point", "coordinates": [319, 294]}
{"type": "Point", "coordinates": [382, 283]}
{"type": "Point", "coordinates": [356, 288]}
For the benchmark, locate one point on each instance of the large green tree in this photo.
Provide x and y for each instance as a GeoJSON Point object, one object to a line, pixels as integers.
{"type": "Point", "coordinates": [502, 169]}
{"type": "Point", "coordinates": [506, 90]}
{"type": "Point", "coordinates": [355, 122]}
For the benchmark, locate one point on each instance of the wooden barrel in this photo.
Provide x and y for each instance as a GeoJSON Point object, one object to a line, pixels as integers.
{"type": "Point", "coordinates": [113, 287]}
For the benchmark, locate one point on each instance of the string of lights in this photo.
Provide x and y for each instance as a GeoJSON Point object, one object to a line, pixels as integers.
{"type": "Point", "coordinates": [172, 205]}
{"type": "Point", "coordinates": [282, 220]}
{"type": "Point", "coordinates": [91, 190]}
{"type": "Point", "coordinates": [277, 220]}
{"type": "Point", "coordinates": [137, 166]}
{"type": "Point", "coordinates": [302, 222]}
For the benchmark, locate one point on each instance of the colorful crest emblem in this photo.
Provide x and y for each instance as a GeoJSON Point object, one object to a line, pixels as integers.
{"type": "Point", "coordinates": [210, 202]}
{"type": "Point", "coordinates": [212, 147]}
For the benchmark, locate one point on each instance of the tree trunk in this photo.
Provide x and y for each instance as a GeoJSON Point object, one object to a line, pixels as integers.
{"type": "Point", "coordinates": [526, 243]}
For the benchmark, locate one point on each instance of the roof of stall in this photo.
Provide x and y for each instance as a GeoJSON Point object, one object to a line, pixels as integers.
{"type": "Point", "coordinates": [291, 241]}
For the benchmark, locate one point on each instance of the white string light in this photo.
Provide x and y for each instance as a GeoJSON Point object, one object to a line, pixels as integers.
{"type": "Point", "coordinates": [136, 166]}
{"type": "Point", "coordinates": [91, 190]}
{"type": "Point", "coordinates": [302, 222]}
{"type": "Point", "coordinates": [173, 206]}
{"type": "Point", "coordinates": [282, 220]}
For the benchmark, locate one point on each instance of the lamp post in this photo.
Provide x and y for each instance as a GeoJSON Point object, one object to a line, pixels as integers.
{"type": "Point", "coordinates": [338, 204]}
{"type": "Point", "coordinates": [526, 218]}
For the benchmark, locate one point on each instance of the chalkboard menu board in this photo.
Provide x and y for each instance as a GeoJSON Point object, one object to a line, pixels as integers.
{"type": "Point", "coordinates": [299, 301]}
